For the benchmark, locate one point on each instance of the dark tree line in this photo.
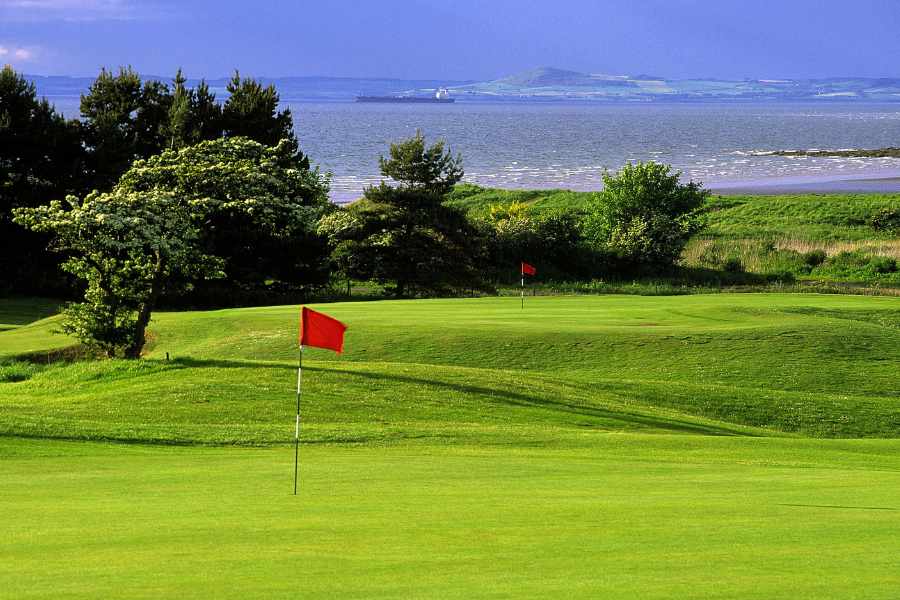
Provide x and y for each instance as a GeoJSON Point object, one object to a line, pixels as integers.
{"type": "Point", "coordinates": [44, 156]}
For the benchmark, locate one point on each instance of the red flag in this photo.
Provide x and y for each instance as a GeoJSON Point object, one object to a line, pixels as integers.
{"type": "Point", "coordinates": [528, 269]}
{"type": "Point", "coordinates": [321, 331]}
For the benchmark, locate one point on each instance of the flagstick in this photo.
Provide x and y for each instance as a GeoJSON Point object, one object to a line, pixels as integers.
{"type": "Point", "coordinates": [297, 428]}
{"type": "Point", "coordinates": [523, 290]}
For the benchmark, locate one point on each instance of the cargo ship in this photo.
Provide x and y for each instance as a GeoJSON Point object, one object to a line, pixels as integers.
{"type": "Point", "coordinates": [442, 96]}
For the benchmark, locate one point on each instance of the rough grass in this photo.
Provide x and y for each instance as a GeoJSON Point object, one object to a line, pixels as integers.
{"type": "Point", "coordinates": [766, 235]}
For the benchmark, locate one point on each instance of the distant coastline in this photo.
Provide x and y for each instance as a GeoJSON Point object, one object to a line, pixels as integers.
{"type": "Point", "coordinates": [849, 153]}
{"type": "Point", "coordinates": [550, 84]}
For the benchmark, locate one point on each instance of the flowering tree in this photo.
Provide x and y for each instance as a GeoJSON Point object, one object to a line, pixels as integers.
{"type": "Point", "coordinates": [196, 213]}
{"type": "Point", "coordinates": [126, 247]}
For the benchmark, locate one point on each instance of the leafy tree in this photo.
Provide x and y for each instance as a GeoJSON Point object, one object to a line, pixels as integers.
{"type": "Point", "coordinates": [551, 239]}
{"type": "Point", "coordinates": [406, 237]}
{"type": "Point", "coordinates": [644, 215]}
{"type": "Point", "coordinates": [224, 206]}
{"type": "Point", "coordinates": [41, 157]}
{"type": "Point", "coordinates": [127, 248]}
{"type": "Point", "coordinates": [259, 206]}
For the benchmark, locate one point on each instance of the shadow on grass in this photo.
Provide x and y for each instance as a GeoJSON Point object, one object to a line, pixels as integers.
{"type": "Point", "coordinates": [498, 395]}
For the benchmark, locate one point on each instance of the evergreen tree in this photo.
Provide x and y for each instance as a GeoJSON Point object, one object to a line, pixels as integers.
{"type": "Point", "coordinates": [178, 128]}
{"type": "Point", "coordinates": [41, 158]}
{"type": "Point", "coordinates": [405, 236]}
{"type": "Point", "coordinates": [252, 111]}
{"type": "Point", "coordinates": [206, 114]}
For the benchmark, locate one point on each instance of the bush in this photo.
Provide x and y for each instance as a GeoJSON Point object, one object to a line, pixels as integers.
{"type": "Point", "coordinates": [814, 258]}
{"type": "Point", "coordinates": [887, 220]}
{"type": "Point", "coordinates": [883, 265]}
{"type": "Point", "coordinates": [644, 215]}
{"type": "Point", "coordinates": [733, 265]}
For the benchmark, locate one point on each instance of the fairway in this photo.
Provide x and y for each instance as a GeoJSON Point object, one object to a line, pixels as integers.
{"type": "Point", "coordinates": [613, 446]}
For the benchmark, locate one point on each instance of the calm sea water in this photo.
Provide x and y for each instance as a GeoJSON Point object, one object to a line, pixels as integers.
{"type": "Point", "coordinates": [569, 145]}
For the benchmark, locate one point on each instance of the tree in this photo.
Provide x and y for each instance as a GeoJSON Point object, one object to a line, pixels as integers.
{"type": "Point", "coordinates": [405, 236]}
{"type": "Point", "coordinates": [644, 215]}
{"type": "Point", "coordinates": [417, 167]}
{"type": "Point", "coordinates": [127, 248]}
{"type": "Point", "coordinates": [258, 206]}
{"type": "Point", "coordinates": [550, 238]}
{"type": "Point", "coordinates": [222, 206]}
{"type": "Point", "coordinates": [110, 110]}
{"type": "Point", "coordinates": [127, 119]}
{"type": "Point", "coordinates": [41, 157]}
{"type": "Point", "coordinates": [251, 110]}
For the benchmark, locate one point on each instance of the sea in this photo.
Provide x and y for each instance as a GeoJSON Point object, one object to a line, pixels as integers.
{"type": "Point", "coordinates": [571, 144]}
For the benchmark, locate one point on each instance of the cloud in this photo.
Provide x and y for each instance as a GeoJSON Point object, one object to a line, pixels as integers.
{"type": "Point", "coordinates": [78, 10]}
{"type": "Point", "coordinates": [17, 54]}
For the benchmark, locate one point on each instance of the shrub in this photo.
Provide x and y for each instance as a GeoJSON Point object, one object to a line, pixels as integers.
{"type": "Point", "coordinates": [814, 258]}
{"type": "Point", "coordinates": [733, 265]}
{"type": "Point", "coordinates": [887, 220]}
{"type": "Point", "coordinates": [883, 264]}
{"type": "Point", "coordinates": [644, 215]}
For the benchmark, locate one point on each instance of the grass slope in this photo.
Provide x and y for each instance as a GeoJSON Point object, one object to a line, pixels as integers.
{"type": "Point", "coordinates": [823, 366]}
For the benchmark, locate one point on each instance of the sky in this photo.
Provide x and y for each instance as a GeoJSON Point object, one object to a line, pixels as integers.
{"type": "Point", "coordinates": [455, 39]}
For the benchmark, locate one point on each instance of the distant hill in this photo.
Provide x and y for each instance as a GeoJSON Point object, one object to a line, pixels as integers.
{"type": "Point", "coordinates": [550, 83]}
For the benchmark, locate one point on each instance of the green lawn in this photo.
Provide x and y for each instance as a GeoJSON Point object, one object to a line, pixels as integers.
{"type": "Point", "coordinates": [599, 446]}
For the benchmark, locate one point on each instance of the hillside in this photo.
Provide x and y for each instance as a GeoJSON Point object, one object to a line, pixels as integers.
{"type": "Point", "coordinates": [762, 234]}
{"type": "Point", "coordinates": [553, 83]}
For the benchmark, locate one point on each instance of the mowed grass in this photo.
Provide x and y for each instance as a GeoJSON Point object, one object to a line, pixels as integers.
{"type": "Point", "coordinates": [821, 366]}
{"type": "Point", "coordinates": [611, 446]}
{"type": "Point", "coordinates": [623, 516]}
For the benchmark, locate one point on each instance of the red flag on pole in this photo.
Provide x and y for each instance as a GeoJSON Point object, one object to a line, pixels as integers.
{"type": "Point", "coordinates": [321, 331]}
{"type": "Point", "coordinates": [528, 269]}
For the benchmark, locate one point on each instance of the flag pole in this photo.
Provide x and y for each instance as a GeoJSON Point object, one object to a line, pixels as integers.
{"type": "Point", "coordinates": [523, 287]}
{"type": "Point", "coordinates": [297, 426]}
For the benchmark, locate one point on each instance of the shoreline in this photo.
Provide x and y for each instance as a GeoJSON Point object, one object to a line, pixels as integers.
{"type": "Point", "coordinates": [808, 185]}
{"type": "Point", "coordinates": [777, 186]}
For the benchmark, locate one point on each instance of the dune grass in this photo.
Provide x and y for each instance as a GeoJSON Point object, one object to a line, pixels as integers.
{"type": "Point", "coordinates": [585, 447]}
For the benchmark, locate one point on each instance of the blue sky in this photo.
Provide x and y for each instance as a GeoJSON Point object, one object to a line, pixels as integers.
{"type": "Point", "coordinates": [455, 39]}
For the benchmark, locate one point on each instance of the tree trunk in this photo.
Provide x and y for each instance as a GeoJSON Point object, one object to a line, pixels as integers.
{"type": "Point", "coordinates": [140, 327]}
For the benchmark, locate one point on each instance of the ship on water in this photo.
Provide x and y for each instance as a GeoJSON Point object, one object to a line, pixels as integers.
{"type": "Point", "coordinates": [442, 96]}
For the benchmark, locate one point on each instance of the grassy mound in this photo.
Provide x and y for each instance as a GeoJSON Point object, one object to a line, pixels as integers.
{"type": "Point", "coordinates": [481, 369]}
